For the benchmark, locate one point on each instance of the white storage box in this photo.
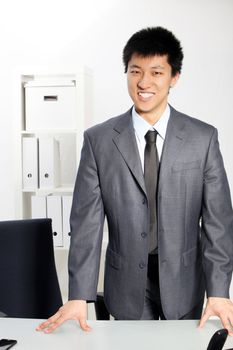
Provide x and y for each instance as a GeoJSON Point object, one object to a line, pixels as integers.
{"type": "Point", "coordinates": [51, 106]}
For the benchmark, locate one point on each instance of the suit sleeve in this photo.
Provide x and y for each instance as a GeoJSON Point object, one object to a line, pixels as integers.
{"type": "Point", "coordinates": [217, 224]}
{"type": "Point", "coordinates": [86, 221]}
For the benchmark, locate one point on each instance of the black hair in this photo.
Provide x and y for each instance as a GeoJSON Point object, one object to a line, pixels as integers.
{"type": "Point", "coordinates": [155, 41]}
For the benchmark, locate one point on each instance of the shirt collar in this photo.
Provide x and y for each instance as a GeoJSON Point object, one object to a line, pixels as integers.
{"type": "Point", "coordinates": [141, 126]}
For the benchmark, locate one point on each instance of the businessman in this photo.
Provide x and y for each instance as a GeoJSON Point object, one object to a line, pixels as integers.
{"type": "Point", "coordinates": [158, 177]}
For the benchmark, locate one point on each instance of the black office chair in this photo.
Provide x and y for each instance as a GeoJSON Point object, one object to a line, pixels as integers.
{"type": "Point", "coordinates": [101, 311]}
{"type": "Point", "coordinates": [28, 280]}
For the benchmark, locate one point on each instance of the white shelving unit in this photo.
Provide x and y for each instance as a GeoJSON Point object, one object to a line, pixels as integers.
{"type": "Point", "coordinates": [69, 139]}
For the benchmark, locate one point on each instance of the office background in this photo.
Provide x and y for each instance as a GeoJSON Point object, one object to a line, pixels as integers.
{"type": "Point", "coordinates": [93, 33]}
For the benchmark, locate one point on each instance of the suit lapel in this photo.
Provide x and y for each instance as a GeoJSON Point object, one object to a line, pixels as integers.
{"type": "Point", "coordinates": [174, 140]}
{"type": "Point", "coordinates": [125, 142]}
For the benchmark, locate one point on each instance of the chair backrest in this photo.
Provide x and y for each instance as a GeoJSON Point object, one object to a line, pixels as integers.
{"type": "Point", "coordinates": [29, 285]}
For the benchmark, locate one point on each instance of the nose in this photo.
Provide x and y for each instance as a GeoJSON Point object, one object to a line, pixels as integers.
{"type": "Point", "coordinates": [144, 82]}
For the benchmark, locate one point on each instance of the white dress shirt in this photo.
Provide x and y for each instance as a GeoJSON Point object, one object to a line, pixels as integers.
{"type": "Point", "coordinates": [141, 126]}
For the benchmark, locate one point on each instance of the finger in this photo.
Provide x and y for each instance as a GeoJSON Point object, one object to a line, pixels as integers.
{"type": "Point", "coordinates": [84, 325]}
{"type": "Point", "coordinates": [203, 319]}
{"type": "Point", "coordinates": [231, 325]}
{"type": "Point", "coordinates": [49, 321]}
{"type": "Point", "coordinates": [55, 325]}
{"type": "Point", "coordinates": [227, 324]}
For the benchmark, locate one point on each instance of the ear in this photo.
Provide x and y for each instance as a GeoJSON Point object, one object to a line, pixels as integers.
{"type": "Point", "coordinates": [174, 80]}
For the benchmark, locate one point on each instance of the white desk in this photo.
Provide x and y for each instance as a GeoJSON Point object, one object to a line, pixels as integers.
{"type": "Point", "coordinates": [112, 335]}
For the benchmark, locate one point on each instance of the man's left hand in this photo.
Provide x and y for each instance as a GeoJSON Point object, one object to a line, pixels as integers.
{"type": "Point", "coordinates": [221, 307]}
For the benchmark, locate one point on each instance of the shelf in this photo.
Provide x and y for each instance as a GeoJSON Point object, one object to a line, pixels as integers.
{"type": "Point", "coordinates": [40, 191]}
{"type": "Point", "coordinates": [52, 131]}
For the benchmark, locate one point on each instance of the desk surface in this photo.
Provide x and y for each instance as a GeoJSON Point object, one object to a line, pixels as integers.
{"type": "Point", "coordinates": [112, 335]}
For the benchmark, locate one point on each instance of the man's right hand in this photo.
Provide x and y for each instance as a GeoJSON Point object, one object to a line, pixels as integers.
{"type": "Point", "coordinates": [72, 310]}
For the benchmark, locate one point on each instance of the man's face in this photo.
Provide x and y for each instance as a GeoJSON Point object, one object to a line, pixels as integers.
{"type": "Point", "coordinates": [149, 80]}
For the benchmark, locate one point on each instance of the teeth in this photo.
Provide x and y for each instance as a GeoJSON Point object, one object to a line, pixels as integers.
{"type": "Point", "coordinates": [146, 94]}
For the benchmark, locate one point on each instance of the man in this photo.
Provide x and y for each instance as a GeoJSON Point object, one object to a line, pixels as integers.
{"type": "Point", "coordinates": [158, 177]}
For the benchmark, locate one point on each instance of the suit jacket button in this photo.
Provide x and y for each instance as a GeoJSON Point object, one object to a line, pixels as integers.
{"type": "Point", "coordinates": [143, 234]}
{"type": "Point", "coordinates": [144, 201]}
{"type": "Point", "coordinates": [142, 265]}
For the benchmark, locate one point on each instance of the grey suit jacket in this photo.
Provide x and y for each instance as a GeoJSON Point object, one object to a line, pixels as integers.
{"type": "Point", "coordinates": [195, 220]}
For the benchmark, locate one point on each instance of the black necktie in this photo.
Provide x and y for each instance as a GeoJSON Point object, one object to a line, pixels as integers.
{"type": "Point", "coordinates": [151, 166]}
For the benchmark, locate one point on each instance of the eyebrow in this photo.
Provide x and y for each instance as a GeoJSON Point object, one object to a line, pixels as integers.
{"type": "Point", "coordinates": [154, 67]}
{"type": "Point", "coordinates": [134, 66]}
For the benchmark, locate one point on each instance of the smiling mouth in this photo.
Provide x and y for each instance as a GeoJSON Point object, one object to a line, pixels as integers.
{"type": "Point", "coordinates": [146, 94]}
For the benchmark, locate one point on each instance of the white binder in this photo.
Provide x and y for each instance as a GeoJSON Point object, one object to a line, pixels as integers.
{"type": "Point", "coordinates": [54, 212]}
{"type": "Point", "coordinates": [30, 163]}
{"type": "Point", "coordinates": [49, 162]}
{"type": "Point", "coordinates": [66, 208]}
{"type": "Point", "coordinates": [38, 207]}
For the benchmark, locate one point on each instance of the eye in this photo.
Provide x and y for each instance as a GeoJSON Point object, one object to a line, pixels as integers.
{"type": "Point", "coordinates": [134, 71]}
{"type": "Point", "coordinates": [157, 73]}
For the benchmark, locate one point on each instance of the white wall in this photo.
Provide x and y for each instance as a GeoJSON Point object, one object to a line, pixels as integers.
{"type": "Point", "coordinates": [93, 33]}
